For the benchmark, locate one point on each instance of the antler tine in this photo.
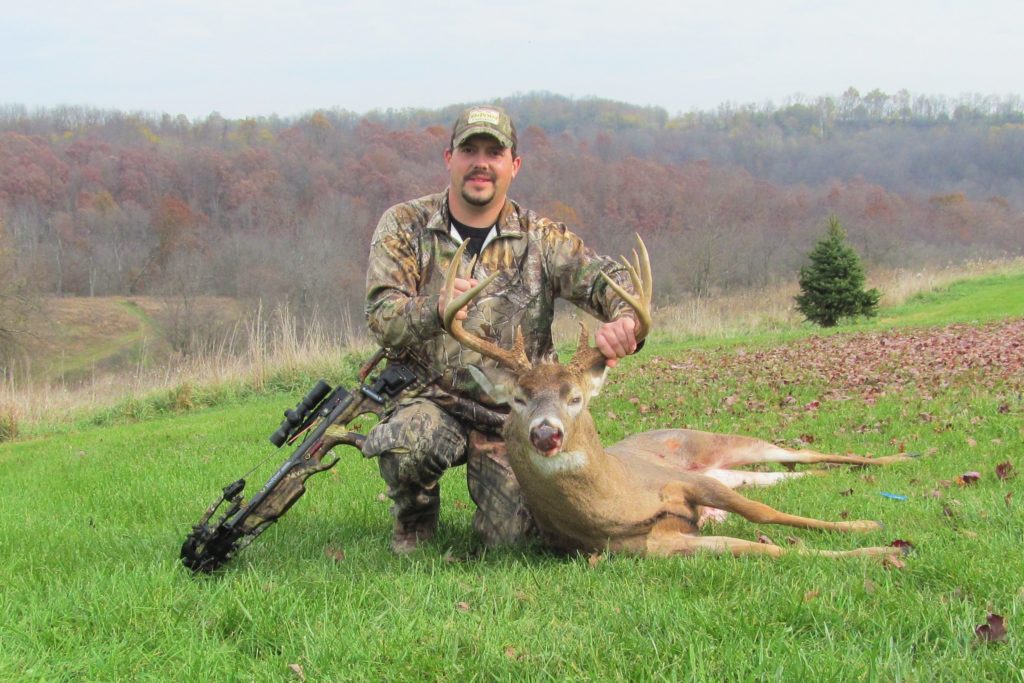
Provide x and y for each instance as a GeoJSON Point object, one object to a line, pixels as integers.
{"type": "Point", "coordinates": [515, 359]}
{"type": "Point", "coordinates": [640, 275]}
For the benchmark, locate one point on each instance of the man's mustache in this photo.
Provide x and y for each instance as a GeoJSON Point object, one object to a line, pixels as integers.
{"type": "Point", "coordinates": [480, 174]}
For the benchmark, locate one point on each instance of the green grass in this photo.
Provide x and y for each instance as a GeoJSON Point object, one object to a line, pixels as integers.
{"type": "Point", "coordinates": [91, 523]}
{"type": "Point", "coordinates": [979, 300]}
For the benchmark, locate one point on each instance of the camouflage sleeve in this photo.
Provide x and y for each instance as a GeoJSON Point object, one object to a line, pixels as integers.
{"type": "Point", "coordinates": [396, 313]}
{"type": "Point", "coordinates": [576, 271]}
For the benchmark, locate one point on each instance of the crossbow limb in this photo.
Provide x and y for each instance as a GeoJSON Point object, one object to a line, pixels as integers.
{"type": "Point", "coordinates": [322, 416]}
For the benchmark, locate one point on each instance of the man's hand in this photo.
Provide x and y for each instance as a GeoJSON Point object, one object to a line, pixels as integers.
{"type": "Point", "coordinates": [461, 287]}
{"type": "Point", "coordinates": [616, 340]}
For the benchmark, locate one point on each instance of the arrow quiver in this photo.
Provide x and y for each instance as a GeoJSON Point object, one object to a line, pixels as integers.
{"type": "Point", "coordinates": [321, 419]}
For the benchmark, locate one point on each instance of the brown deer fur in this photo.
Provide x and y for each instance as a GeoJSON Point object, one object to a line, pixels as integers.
{"type": "Point", "coordinates": [644, 494]}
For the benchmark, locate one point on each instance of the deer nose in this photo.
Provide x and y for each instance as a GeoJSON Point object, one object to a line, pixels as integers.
{"type": "Point", "coordinates": [546, 438]}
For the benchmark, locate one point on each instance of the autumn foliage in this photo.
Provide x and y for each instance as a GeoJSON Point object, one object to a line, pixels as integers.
{"type": "Point", "coordinates": [106, 203]}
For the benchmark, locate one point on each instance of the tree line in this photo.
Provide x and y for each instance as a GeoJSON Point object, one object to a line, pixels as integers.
{"type": "Point", "coordinates": [96, 203]}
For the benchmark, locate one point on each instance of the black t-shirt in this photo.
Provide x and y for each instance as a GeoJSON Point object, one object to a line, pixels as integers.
{"type": "Point", "coordinates": [474, 237]}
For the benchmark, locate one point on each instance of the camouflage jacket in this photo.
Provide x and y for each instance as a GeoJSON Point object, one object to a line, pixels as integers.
{"type": "Point", "coordinates": [539, 261]}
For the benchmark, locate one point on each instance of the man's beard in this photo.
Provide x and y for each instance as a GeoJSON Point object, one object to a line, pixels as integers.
{"type": "Point", "coordinates": [477, 200]}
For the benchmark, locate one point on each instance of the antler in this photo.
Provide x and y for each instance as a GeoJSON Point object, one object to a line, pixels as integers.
{"type": "Point", "coordinates": [516, 358]}
{"type": "Point", "coordinates": [640, 275]}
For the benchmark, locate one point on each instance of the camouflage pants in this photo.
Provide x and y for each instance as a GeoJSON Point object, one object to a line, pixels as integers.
{"type": "Point", "coordinates": [419, 441]}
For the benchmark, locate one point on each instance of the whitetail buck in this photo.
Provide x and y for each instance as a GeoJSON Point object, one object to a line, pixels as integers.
{"type": "Point", "coordinates": [644, 494]}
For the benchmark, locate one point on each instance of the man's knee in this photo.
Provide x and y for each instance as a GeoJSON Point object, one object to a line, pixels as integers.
{"type": "Point", "coordinates": [416, 444]}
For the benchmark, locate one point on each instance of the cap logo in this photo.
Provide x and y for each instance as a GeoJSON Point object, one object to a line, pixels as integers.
{"type": "Point", "coordinates": [484, 116]}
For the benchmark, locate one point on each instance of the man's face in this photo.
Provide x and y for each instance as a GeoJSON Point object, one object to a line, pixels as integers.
{"type": "Point", "coordinates": [481, 171]}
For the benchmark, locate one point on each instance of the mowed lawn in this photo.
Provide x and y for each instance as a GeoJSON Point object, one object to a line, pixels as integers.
{"type": "Point", "coordinates": [91, 522]}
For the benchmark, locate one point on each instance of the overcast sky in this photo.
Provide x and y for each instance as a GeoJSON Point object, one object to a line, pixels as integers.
{"type": "Point", "coordinates": [261, 57]}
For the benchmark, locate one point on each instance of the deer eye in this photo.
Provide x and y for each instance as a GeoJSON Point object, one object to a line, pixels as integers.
{"type": "Point", "coordinates": [575, 400]}
{"type": "Point", "coordinates": [519, 401]}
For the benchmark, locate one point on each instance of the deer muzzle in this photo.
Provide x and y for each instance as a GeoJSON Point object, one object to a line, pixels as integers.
{"type": "Point", "coordinates": [546, 438]}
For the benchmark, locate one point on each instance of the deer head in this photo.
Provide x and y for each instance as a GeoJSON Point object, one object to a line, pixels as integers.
{"type": "Point", "coordinates": [548, 401]}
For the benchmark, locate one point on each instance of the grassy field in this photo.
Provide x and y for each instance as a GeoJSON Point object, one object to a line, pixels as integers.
{"type": "Point", "coordinates": [91, 522]}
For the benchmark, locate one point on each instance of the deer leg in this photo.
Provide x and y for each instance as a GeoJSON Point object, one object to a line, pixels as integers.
{"type": "Point", "coordinates": [736, 478]}
{"type": "Point", "coordinates": [734, 451]}
{"type": "Point", "coordinates": [666, 542]}
{"type": "Point", "coordinates": [701, 490]}
{"type": "Point", "coordinates": [693, 450]}
{"type": "Point", "coordinates": [777, 454]}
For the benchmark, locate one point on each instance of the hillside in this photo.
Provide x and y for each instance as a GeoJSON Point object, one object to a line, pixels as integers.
{"type": "Point", "coordinates": [76, 339]}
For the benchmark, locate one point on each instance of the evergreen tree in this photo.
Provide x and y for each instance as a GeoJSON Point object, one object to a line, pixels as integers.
{"type": "Point", "coordinates": [832, 286]}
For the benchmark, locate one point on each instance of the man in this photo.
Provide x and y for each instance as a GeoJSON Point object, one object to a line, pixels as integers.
{"type": "Point", "coordinates": [452, 421]}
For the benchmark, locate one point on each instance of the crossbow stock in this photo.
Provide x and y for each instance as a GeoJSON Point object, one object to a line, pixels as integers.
{"type": "Point", "coordinates": [322, 416]}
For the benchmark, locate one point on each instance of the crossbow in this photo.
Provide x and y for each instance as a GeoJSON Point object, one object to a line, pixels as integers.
{"type": "Point", "coordinates": [322, 418]}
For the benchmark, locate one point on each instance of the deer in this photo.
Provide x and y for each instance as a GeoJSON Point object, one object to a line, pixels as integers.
{"type": "Point", "coordinates": [649, 493]}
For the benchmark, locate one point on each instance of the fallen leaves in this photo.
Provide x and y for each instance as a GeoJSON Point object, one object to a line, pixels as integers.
{"type": "Point", "coordinates": [993, 630]}
{"type": "Point", "coordinates": [867, 366]}
{"type": "Point", "coordinates": [297, 670]}
{"type": "Point", "coordinates": [336, 554]}
{"type": "Point", "coordinates": [1004, 471]}
{"type": "Point", "coordinates": [968, 478]}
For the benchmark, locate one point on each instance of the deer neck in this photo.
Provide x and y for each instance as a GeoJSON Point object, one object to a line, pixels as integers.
{"type": "Point", "coordinates": [581, 464]}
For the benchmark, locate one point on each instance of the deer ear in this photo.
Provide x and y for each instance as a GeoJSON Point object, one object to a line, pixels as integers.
{"type": "Point", "coordinates": [496, 382]}
{"type": "Point", "coordinates": [597, 373]}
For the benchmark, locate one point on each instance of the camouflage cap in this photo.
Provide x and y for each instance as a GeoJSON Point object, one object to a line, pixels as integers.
{"type": "Point", "coordinates": [484, 120]}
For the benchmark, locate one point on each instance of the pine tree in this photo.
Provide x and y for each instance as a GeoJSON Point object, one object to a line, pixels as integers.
{"type": "Point", "coordinates": [832, 286]}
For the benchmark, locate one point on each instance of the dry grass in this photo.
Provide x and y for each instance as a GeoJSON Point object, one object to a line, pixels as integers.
{"type": "Point", "coordinates": [258, 348]}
